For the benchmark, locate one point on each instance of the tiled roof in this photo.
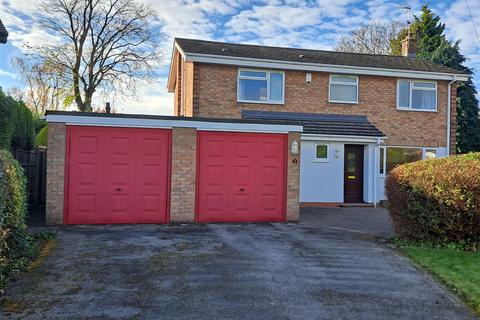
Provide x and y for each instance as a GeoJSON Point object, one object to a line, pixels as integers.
{"type": "Point", "coordinates": [3, 33]}
{"type": "Point", "coordinates": [310, 56]}
{"type": "Point", "coordinates": [315, 123]}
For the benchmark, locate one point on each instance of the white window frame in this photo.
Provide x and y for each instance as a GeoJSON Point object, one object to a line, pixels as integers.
{"type": "Point", "coordinates": [384, 167]}
{"type": "Point", "coordinates": [410, 107]}
{"type": "Point", "coordinates": [267, 78]}
{"type": "Point", "coordinates": [327, 159]}
{"type": "Point", "coordinates": [342, 84]}
{"type": "Point", "coordinates": [424, 150]}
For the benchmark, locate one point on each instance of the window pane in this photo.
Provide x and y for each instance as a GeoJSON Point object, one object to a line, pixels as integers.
{"type": "Point", "coordinates": [343, 93]}
{"type": "Point", "coordinates": [258, 74]}
{"type": "Point", "coordinates": [276, 86]}
{"type": "Point", "coordinates": [424, 85]}
{"type": "Point", "coordinates": [351, 163]}
{"type": "Point", "coordinates": [404, 94]}
{"type": "Point", "coordinates": [423, 99]}
{"type": "Point", "coordinates": [322, 151]}
{"type": "Point", "coordinates": [382, 153]}
{"type": "Point", "coordinates": [344, 79]}
{"type": "Point", "coordinates": [253, 90]}
{"type": "Point", "coordinates": [397, 156]}
{"type": "Point", "coordinates": [430, 153]}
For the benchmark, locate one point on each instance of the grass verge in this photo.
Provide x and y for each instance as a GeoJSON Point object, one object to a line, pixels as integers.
{"type": "Point", "coordinates": [460, 270]}
{"type": "Point", "coordinates": [36, 246]}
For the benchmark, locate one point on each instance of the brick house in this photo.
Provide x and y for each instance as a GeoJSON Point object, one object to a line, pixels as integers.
{"type": "Point", "coordinates": [362, 114]}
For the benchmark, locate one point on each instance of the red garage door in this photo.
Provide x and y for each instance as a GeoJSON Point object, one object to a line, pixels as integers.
{"type": "Point", "coordinates": [117, 175]}
{"type": "Point", "coordinates": [241, 177]}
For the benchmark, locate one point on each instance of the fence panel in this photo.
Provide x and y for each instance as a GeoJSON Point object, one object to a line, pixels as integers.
{"type": "Point", "coordinates": [34, 165]}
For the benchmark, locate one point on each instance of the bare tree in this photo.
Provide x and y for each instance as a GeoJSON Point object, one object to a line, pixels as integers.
{"type": "Point", "coordinates": [104, 45]}
{"type": "Point", "coordinates": [46, 84]}
{"type": "Point", "coordinates": [373, 38]}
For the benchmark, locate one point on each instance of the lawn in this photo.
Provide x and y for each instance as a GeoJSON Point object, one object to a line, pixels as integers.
{"type": "Point", "coordinates": [459, 270]}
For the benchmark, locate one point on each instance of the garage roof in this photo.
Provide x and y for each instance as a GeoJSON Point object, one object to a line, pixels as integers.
{"type": "Point", "coordinates": [317, 123]}
{"type": "Point", "coordinates": [154, 121]}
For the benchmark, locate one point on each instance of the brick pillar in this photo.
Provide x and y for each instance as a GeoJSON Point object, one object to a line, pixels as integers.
{"type": "Point", "coordinates": [184, 167]}
{"type": "Point", "coordinates": [293, 180]}
{"type": "Point", "coordinates": [55, 173]}
{"type": "Point", "coordinates": [453, 120]}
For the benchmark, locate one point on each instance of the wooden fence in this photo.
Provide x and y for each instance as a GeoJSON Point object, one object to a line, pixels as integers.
{"type": "Point", "coordinates": [34, 164]}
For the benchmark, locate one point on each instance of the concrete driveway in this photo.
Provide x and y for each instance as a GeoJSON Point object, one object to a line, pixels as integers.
{"type": "Point", "coordinates": [330, 266]}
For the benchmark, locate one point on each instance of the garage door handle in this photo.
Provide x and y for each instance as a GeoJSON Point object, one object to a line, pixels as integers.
{"type": "Point", "coordinates": [119, 189]}
{"type": "Point", "coordinates": [242, 189]}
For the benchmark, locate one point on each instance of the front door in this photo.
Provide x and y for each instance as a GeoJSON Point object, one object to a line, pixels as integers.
{"type": "Point", "coordinates": [353, 174]}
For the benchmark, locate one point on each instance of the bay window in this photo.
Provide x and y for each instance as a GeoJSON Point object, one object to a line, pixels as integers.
{"type": "Point", "coordinates": [417, 95]}
{"type": "Point", "coordinates": [260, 86]}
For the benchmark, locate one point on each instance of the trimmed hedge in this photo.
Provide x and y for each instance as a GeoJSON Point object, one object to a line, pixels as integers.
{"type": "Point", "coordinates": [17, 125]}
{"type": "Point", "coordinates": [14, 242]}
{"type": "Point", "coordinates": [42, 137]}
{"type": "Point", "coordinates": [437, 199]}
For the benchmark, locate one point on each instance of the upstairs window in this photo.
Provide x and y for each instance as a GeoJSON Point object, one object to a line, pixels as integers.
{"type": "Point", "coordinates": [260, 86]}
{"type": "Point", "coordinates": [343, 89]}
{"type": "Point", "coordinates": [417, 95]}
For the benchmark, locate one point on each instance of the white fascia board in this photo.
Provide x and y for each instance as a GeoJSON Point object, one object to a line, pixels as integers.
{"type": "Point", "coordinates": [291, 65]}
{"type": "Point", "coordinates": [168, 124]}
{"type": "Point", "coordinates": [339, 138]}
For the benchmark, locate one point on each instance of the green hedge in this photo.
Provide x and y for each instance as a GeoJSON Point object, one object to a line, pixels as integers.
{"type": "Point", "coordinates": [42, 137]}
{"type": "Point", "coordinates": [14, 242]}
{"type": "Point", "coordinates": [437, 199]}
{"type": "Point", "coordinates": [17, 124]}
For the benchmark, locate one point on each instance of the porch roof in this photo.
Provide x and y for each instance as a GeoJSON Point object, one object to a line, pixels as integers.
{"type": "Point", "coordinates": [319, 123]}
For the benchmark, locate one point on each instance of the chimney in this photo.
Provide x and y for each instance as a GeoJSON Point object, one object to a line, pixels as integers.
{"type": "Point", "coordinates": [409, 46]}
{"type": "Point", "coordinates": [107, 108]}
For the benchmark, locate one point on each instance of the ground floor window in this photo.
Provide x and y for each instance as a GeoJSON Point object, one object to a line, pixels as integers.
{"type": "Point", "coordinates": [390, 157]}
{"type": "Point", "coordinates": [321, 152]}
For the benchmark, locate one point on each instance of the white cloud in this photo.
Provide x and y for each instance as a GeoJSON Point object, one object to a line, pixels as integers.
{"type": "Point", "coordinates": [153, 98]}
{"type": "Point", "coordinates": [4, 73]}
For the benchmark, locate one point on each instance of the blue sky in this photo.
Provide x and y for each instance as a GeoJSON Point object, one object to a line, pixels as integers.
{"type": "Point", "coordinates": [308, 24]}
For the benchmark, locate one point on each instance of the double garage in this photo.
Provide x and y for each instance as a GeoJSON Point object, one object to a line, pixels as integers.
{"type": "Point", "coordinates": [106, 169]}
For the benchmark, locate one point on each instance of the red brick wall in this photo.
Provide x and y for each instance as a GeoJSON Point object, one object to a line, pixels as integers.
{"type": "Point", "coordinates": [215, 95]}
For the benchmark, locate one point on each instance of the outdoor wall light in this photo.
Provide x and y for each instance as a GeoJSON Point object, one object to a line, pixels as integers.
{"type": "Point", "coordinates": [308, 77]}
{"type": "Point", "coordinates": [294, 147]}
{"type": "Point", "coordinates": [337, 153]}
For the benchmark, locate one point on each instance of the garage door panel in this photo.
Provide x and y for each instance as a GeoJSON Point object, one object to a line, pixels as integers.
{"type": "Point", "coordinates": [123, 170]}
{"type": "Point", "coordinates": [235, 170]}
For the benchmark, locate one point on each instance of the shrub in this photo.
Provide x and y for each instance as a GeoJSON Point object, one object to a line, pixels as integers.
{"type": "Point", "coordinates": [14, 242]}
{"type": "Point", "coordinates": [437, 199]}
{"type": "Point", "coordinates": [17, 125]}
{"type": "Point", "coordinates": [7, 106]}
{"type": "Point", "coordinates": [39, 124]}
{"type": "Point", "coordinates": [24, 128]}
{"type": "Point", "coordinates": [42, 137]}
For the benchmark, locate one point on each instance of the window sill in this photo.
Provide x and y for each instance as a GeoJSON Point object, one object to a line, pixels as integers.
{"type": "Point", "coordinates": [416, 110]}
{"type": "Point", "coordinates": [261, 102]}
{"type": "Point", "coordinates": [342, 102]}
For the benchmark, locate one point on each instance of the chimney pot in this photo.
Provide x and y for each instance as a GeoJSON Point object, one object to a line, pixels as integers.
{"type": "Point", "coordinates": [107, 107]}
